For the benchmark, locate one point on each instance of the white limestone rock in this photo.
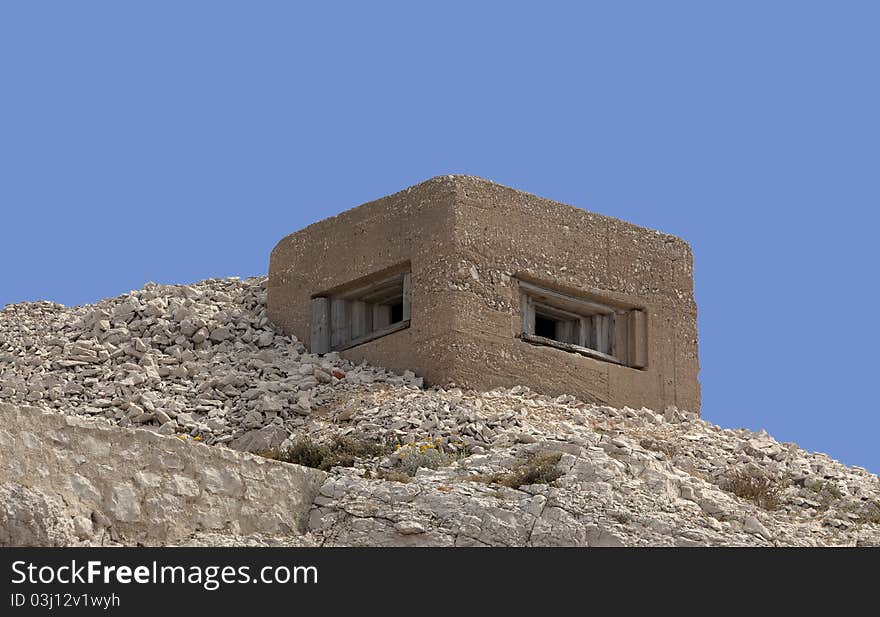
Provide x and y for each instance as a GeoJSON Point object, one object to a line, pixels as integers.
{"type": "Point", "coordinates": [202, 362]}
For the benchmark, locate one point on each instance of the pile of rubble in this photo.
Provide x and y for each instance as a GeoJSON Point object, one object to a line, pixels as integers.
{"type": "Point", "coordinates": [203, 362]}
{"type": "Point", "coordinates": [196, 359]}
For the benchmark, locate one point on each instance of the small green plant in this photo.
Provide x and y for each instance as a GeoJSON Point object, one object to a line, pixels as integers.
{"type": "Point", "coordinates": [308, 453]}
{"type": "Point", "coordinates": [427, 453]}
{"type": "Point", "coordinates": [340, 452]}
{"type": "Point", "coordinates": [538, 469]}
{"type": "Point", "coordinates": [760, 489]}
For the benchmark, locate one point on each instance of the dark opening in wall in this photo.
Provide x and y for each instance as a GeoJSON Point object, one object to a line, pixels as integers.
{"type": "Point", "coordinates": [397, 312]}
{"type": "Point", "coordinates": [545, 326]}
{"type": "Point", "coordinates": [612, 333]}
{"type": "Point", "coordinates": [343, 320]}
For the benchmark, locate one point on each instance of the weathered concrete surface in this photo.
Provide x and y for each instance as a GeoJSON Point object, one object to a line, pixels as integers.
{"type": "Point", "coordinates": [409, 230]}
{"type": "Point", "coordinates": [503, 232]}
{"type": "Point", "coordinates": [467, 241]}
{"type": "Point", "coordinates": [135, 486]}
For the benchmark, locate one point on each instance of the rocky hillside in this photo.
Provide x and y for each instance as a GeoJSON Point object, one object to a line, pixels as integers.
{"type": "Point", "coordinates": [407, 465]}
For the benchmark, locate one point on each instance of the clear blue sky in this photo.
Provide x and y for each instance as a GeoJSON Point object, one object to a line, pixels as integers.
{"type": "Point", "coordinates": [174, 141]}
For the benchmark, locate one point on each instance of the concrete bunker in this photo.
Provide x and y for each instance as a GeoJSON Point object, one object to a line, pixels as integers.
{"type": "Point", "coordinates": [452, 279]}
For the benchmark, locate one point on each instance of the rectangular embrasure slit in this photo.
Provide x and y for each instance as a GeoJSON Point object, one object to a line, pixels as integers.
{"type": "Point", "coordinates": [366, 313]}
{"type": "Point", "coordinates": [584, 326]}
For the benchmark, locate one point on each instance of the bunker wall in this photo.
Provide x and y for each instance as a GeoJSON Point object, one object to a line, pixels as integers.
{"type": "Point", "coordinates": [407, 231]}
{"type": "Point", "coordinates": [504, 235]}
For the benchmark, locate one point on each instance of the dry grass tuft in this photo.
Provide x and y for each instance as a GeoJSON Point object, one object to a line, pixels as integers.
{"type": "Point", "coordinates": [340, 452]}
{"type": "Point", "coordinates": [538, 469]}
{"type": "Point", "coordinates": [760, 489]}
{"type": "Point", "coordinates": [393, 476]}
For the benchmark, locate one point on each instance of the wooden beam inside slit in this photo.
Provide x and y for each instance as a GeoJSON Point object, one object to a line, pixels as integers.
{"type": "Point", "coordinates": [612, 335]}
{"type": "Point", "coordinates": [319, 325]}
{"type": "Point", "coordinates": [381, 316]}
{"type": "Point", "coordinates": [584, 332]}
{"type": "Point", "coordinates": [360, 318]}
{"type": "Point", "coordinates": [621, 340]}
{"type": "Point", "coordinates": [527, 308]}
{"type": "Point", "coordinates": [584, 351]}
{"type": "Point", "coordinates": [378, 289]}
{"type": "Point", "coordinates": [637, 335]}
{"type": "Point", "coordinates": [400, 325]}
{"type": "Point", "coordinates": [339, 325]}
{"type": "Point", "coordinates": [602, 331]}
{"type": "Point", "coordinates": [565, 301]}
{"type": "Point", "coordinates": [407, 296]}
